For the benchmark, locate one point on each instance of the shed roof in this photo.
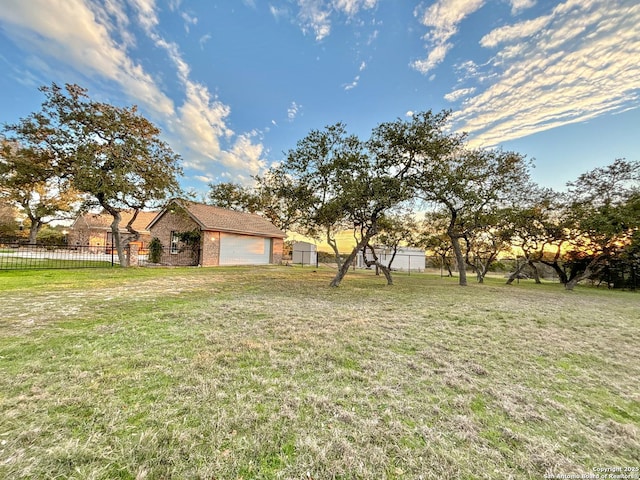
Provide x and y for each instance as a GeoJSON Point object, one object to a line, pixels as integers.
{"type": "Point", "coordinates": [220, 219]}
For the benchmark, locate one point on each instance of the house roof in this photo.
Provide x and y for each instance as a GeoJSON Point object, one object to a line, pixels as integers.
{"type": "Point", "coordinates": [224, 220]}
{"type": "Point", "coordinates": [103, 220]}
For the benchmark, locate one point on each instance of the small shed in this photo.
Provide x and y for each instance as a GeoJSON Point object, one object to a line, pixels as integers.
{"type": "Point", "coordinates": [304, 253]}
{"type": "Point", "coordinates": [226, 237]}
{"type": "Point", "coordinates": [407, 259]}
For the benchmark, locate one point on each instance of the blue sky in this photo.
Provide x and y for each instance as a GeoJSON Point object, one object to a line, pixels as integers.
{"type": "Point", "coordinates": [234, 84]}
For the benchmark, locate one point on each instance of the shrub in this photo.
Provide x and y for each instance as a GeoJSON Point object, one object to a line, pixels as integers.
{"type": "Point", "coordinates": [191, 241]}
{"type": "Point", "coordinates": [50, 236]}
{"type": "Point", "coordinates": [155, 250]}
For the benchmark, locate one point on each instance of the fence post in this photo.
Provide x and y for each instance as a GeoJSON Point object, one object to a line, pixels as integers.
{"type": "Point", "coordinates": [132, 256]}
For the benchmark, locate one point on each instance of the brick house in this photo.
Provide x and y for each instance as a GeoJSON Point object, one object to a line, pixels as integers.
{"type": "Point", "coordinates": [94, 229]}
{"type": "Point", "coordinates": [226, 237]}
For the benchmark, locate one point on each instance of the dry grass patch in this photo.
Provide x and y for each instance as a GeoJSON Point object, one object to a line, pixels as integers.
{"type": "Point", "coordinates": [268, 373]}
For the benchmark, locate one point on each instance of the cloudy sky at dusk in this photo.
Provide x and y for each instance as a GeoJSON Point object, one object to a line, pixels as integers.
{"type": "Point", "coordinates": [233, 84]}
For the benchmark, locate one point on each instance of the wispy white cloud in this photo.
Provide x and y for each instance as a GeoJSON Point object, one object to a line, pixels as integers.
{"type": "Point", "coordinates": [442, 19]}
{"type": "Point", "coordinates": [147, 13]}
{"type": "Point", "coordinates": [93, 38]}
{"type": "Point", "coordinates": [203, 178]}
{"type": "Point", "coordinates": [353, 84]}
{"type": "Point", "coordinates": [518, 6]}
{"type": "Point", "coordinates": [510, 33]}
{"type": "Point", "coordinates": [278, 12]}
{"type": "Point", "coordinates": [315, 15]}
{"type": "Point", "coordinates": [458, 94]}
{"type": "Point", "coordinates": [72, 33]}
{"type": "Point", "coordinates": [203, 40]}
{"type": "Point", "coordinates": [373, 37]}
{"type": "Point", "coordinates": [201, 120]}
{"type": "Point", "coordinates": [292, 111]}
{"type": "Point", "coordinates": [574, 64]}
{"type": "Point", "coordinates": [352, 7]}
{"type": "Point", "coordinates": [188, 20]}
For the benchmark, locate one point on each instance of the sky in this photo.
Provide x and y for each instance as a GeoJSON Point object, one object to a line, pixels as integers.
{"type": "Point", "coordinates": [234, 84]}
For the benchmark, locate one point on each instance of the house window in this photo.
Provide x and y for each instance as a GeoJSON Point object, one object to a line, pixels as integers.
{"type": "Point", "coordinates": [174, 242]}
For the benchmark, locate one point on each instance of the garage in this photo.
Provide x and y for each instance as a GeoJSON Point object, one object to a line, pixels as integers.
{"type": "Point", "coordinates": [244, 250]}
{"type": "Point", "coordinates": [227, 237]}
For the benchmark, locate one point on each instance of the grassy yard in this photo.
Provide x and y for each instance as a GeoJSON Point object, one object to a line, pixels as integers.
{"type": "Point", "coordinates": [17, 263]}
{"type": "Point", "coordinates": [267, 373]}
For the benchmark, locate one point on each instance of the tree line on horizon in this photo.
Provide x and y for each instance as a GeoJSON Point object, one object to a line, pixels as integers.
{"type": "Point", "coordinates": [76, 153]}
{"type": "Point", "coordinates": [474, 203]}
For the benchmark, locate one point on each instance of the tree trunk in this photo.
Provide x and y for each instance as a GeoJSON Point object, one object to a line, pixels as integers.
{"type": "Point", "coordinates": [117, 241]}
{"type": "Point", "coordinates": [334, 246]}
{"type": "Point", "coordinates": [344, 268]}
{"type": "Point", "coordinates": [386, 270]}
{"type": "Point", "coordinates": [536, 274]}
{"type": "Point", "coordinates": [570, 285]}
{"type": "Point", "coordinates": [393, 257]}
{"type": "Point", "coordinates": [447, 264]}
{"type": "Point", "coordinates": [517, 272]}
{"type": "Point", "coordinates": [483, 268]}
{"type": "Point", "coordinates": [562, 275]}
{"type": "Point", "coordinates": [592, 270]}
{"type": "Point", "coordinates": [387, 275]}
{"type": "Point", "coordinates": [462, 269]}
{"type": "Point", "coordinates": [36, 225]}
{"type": "Point", "coordinates": [455, 244]}
{"type": "Point", "coordinates": [115, 233]}
{"type": "Point", "coordinates": [133, 234]}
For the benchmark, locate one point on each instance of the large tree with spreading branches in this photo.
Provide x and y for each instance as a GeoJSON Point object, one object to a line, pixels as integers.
{"type": "Point", "coordinates": [113, 155]}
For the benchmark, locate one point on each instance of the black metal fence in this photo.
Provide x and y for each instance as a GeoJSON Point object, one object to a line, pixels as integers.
{"type": "Point", "coordinates": [17, 255]}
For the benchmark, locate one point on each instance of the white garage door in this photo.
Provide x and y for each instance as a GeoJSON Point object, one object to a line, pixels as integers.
{"type": "Point", "coordinates": [244, 250]}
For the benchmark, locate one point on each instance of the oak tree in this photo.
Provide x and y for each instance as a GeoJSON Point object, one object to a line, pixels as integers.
{"type": "Point", "coordinates": [112, 154]}
{"type": "Point", "coordinates": [604, 216]}
{"type": "Point", "coordinates": [30, 178]}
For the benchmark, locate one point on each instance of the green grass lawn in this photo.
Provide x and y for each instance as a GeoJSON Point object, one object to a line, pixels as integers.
{"type": "Point", "coordinates": [231, 373]}
{"type": "Point", "coordinates": [17, 263]}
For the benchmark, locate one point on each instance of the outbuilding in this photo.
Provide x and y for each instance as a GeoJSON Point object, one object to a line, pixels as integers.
{"type": "Point", "coordinates": [405, 259]}
{"type": "Point", "coordinates": [304, 253]}
{"type": "Point", "coordinates": [219, 236]}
